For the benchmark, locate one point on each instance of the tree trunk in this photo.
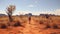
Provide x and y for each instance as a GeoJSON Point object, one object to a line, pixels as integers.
{"type": "Point", "coordinates": [10, 17]}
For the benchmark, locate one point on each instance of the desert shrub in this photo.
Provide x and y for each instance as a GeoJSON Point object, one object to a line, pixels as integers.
{"type": "Point", "coordinates": [3, 26]}
{"type": "Point", "coordinates": [55, 26]}
{"type": "Point", "coordinates": [48, 26]}
{"type": "Point", "coordinates": [47, 16]}
{"type": "Point", "coordinates": [17, 24]}
{"type": "Point", "coordinates": [41, 22]}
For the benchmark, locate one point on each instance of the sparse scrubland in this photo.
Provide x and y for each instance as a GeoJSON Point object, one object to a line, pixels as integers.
{"type": "Point", "coordinates": [30, 25]}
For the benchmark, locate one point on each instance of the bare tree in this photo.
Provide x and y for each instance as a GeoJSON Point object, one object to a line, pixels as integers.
{"type": "Point", "coordinates": [10, 10]}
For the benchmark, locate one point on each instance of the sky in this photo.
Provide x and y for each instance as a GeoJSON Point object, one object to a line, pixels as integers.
{"type": "Point", "coordinates": [31, 6]}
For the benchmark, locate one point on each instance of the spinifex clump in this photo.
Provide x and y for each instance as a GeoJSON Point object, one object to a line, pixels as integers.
{"type": "Point", "coordinates": [10, 10]}
{"type": "Point", "coordinates": [3, 26]}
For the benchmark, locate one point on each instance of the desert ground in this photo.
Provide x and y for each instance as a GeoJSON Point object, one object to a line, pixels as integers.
{"type": "Point", "coordinates": [30, 25]}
